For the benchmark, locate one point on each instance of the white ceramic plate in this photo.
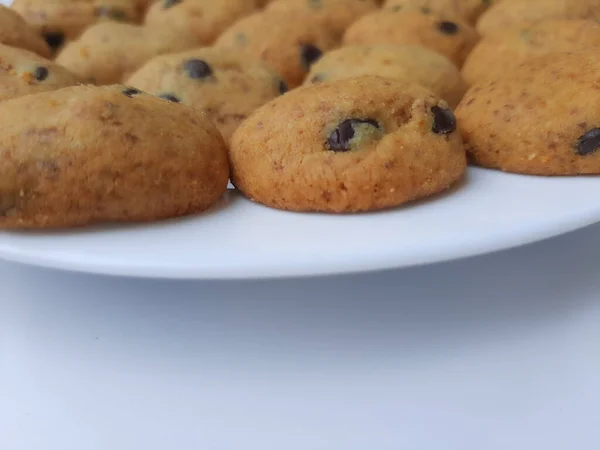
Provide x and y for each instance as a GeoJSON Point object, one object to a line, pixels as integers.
{"type": "Point", "coordinates": [238, 239]}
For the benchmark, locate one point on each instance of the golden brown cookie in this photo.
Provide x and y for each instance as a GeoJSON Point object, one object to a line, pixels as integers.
{"type": "Point", "coordinates": [351, 145]}
{"type": "Point", "coordinates": [542, 118]}
{"type": "Point", "coordinates": [23, 72]}
{"type": "Point", "coordinates": [289, 41]}
{"type": "Point", "coordinates": [14, 31]}
{"type": "Point", "coordinates": [110, 52]}
{"type": "Point", "coordinates": [59, 21]}
{"type": "Point", "coordinates": [86, 154]}
{"type": "Point", "coordinates": [226, 85]}
{"type": "Point", "coordinates": [468, 10]}
{"type": "Point", "coordinates": [511, 13]}
{"type": "Point", "coordinates": [336, 15]}
{"type": "Point", "coordinates": [452, 38]}
{"type": "Point", "coordinates": [205, 19]}
{"type": "Point", "coordinates": [409, 63]}
{"type": "Point", "coordinates": [495, 55]}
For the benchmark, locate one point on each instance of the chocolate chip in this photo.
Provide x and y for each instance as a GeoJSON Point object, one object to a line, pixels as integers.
{"type": "Point", "coordinates": [196, 68]}
{"type": "Point", "coordinates": [170, 97]}
{"type": "Point", "coordinates": [588, 143]}
{"type": "Point", "coordinates": [54, 40]}
{"type": "Point", "coordinates": [41, 73]}
{"type": "Point", "coordinates": [130, 92]}
{"type": "Point", "coordinates": [283, 87]}
{"type": "Point", "coordinates": [168, 3]}
{"type": "Point", "coordinates": [444, 121]}
{"type": "Point", "coordinates": [448, 27]}
{"type": "Point", "coordinates": [309, 54]}
{"type": "Point", "coordinates": [339, 139]}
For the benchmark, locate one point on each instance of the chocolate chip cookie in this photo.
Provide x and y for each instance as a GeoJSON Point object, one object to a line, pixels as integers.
{"type": "Point", "coordinates": [452, 38]}
{"type": "Point", "coordinates": [510, 13]}
{"type": "Point", "coordinates": [289, 41]}
{"type": "Point", "coordinates": [351, 145]}
{"type": "Point", "coordinates": [85, 154]}
{"type": "Point", "coordinates": [226, 85]}
{"type": "Point", "coordinates": [403, 62]}
{"type": "Point", "coordinates": [541, 118]}
{"type": "Point", "coordinates": [496, 54]}
{"type": "Point", "coordinates": [23, 72]}
{"type": "Point", "coordinates": [14, 31]}
{"type": "Point", "coordinates": [61, 20]}
{"type": "Point", "coordinates": [468, 10]}
{"type": "Point", "coordinates": [336, 15]}
{"type": "Point", "coordinates": [206, 19]}
{"type": "Point", "coordinates": [109, 52]}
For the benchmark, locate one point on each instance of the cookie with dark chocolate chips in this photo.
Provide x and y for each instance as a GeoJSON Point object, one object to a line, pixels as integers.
{"type": "Point", "coordinates": [289, 41]}
{"type": "Point", "coordinates": [541, 118]}
{"type": "Point", "coordinates": [226, 85]}
{"type": "Point", "coordinates": [351, 145]}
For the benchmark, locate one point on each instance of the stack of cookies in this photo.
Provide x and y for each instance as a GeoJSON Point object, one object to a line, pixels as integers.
{"type": "Point", "coordinates": [137, 110]}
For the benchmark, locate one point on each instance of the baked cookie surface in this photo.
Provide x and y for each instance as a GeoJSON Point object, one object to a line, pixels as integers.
{"type": "Point", "coordinates": [520, 13]}
{"type": "Point", "coordinates": [336, 15]}
{"type": "Point", "coordinates": [110, 52]}
{"type": "Point", "coordinates": [226, 85]}
{"type": "Point", "coordinates": [59, 21]}
{"type": "Point", "coordinates": [542, 118]}
{"type": "Point", "coordinates": [105, 154]}
{"type": "Point", "coordinates": [16, 32]}
{"type": "Point", "coordinates": [23, 72]}
{"type": "Point", "coordinates": [409, 63]}
{"type": "Point", "coordinates": [496, 54]}
{"type": "Point", "coordinates": [452, 38]}
{"type": "Point", "coordinates": [288, 41]}
{"type": "Point", "coordinates": [352, 145]}
{"type": "Point", "coordinates": [205, 19]}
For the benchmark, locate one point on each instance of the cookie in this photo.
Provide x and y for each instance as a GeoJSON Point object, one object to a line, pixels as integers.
{"type": "Point", "coordinates": [351, 145]}
{"type": "Point", "coordinates": [511, 13]}
{"type": "Point", "coordinates": [23, 72]}
{"type": "Point", "coordinates": [85, 155]}
{"type": "Point", "coordinates": [336, 15]}
{"type": "Point", "coordinates": [226, 85]}
{"type": "Point", "coordinates": [14, 31]}
{"type": "Point", "coordinates": [403, 62]}
{"type": "Point", "coordinates": [468, 10]}
{"type": "Point", "coordinates": [59, 21]}
{"type": "Point", "coordinates": [495, 55]}
{"type": "Point", "coordinates": [206, 19]}
{"type": "Point", "coordinates": [289, 41]}
{"type": "Point", "coordinates": [109, 52]}
{"type": "Point", "coordinates": [542, 118]}
{"type": "Point", "coordinates": [452, 38]}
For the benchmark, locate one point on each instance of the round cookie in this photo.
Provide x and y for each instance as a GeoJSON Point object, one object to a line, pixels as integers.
{"type": "Point", "coordinates": [468, 10]}
{"type": "Point", "coordinates": [109, 52]}
{"type": "Point", "coordinates": [289, 41]}
{"type": "Point", "coordinates": [59, 21]}
{"type": "Point", "coordinates": [226, 85]}
{"type": "Point", "coordinates": [85, 154]}
{"type": "Point", "coordinates": [403, 62]}
{"type": "Point", "coordinates": [495, 55]}
{"type": "Point", "coordinates": [511, 13]}
{"type": "Point", "coordinates": [542, 118]}
{"type": "Point", "coordinates": [336, 15]}
{"type": "Point", "coordinates": [14, 31]}
{"type": "Point", "coordinates": [23, 72]}
{"type": "Point", "coordinates": [452, 38]}
{"type": "Point", "coordinates": [206, 19]}
{"type": "Point", "coordinates": [351, 145]}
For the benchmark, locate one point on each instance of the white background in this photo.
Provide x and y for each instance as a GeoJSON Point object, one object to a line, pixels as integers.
{"type": "Point", "coordinates": [500, 352]}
